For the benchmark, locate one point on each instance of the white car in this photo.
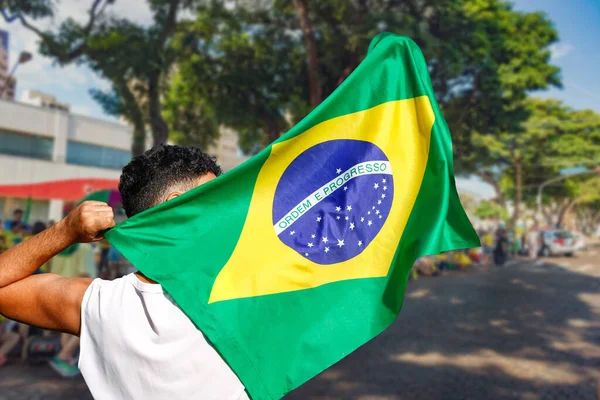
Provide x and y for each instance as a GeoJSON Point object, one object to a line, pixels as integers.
{"type": "Point", "coordinates": [557, 242]}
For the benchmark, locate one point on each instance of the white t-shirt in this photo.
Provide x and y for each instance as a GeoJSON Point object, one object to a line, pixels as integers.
{"type": "Point", "coordinates": [137, 344]}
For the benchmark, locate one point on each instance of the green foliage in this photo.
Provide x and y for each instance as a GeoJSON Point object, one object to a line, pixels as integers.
{"type": "Point", "coordinates": [487, 209]}
{"type": "Point", "coordinates": [191, 119]}
{"type": "Point", "coordinates": [250, 61]}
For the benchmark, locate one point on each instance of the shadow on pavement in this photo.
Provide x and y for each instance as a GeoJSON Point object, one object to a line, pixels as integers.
{"type": "Point", "coordinates": [519, 332]}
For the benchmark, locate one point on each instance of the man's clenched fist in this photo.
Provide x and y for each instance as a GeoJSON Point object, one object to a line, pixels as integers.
{"type": "Point", "coordinates": [88, 221]}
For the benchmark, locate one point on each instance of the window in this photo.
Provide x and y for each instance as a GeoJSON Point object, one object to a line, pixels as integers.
{"type": "Point", "coordinates": [96, 156]}
{"type": "Point", "coordinates": [20, 144]}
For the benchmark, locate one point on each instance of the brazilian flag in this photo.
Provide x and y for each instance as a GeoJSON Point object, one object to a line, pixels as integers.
{"type": "Point", "coordinates": [294, 259]}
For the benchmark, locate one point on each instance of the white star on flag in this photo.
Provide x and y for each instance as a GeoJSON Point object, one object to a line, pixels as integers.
{"type": "Point", "coordinates": [380, 216]}
{"type": "Point", "coordinates": [383, 196]}
{"type": "Point", "coordinates": [340, 243]}
{"type": "Point", "coordinates": [310, 244]}
{"type": "Point", "coordinates": [318, 219]}
{"type": "Point", "coordinates": [373, 208]}
{"type": "Point", "coordinates": [378, 201]}
{"type": "Point", "coordinates": [360, 242]}
{"type": "Point", "coordinates": [345, 188]}
{"type": "Point", "coordinates": [324, 239]}
{"type": "Point", "coordinates": [368, 212]}
{"type": "Point", "coordinates": [383, 180]}
{"type": "Point", "coordinates": [306, 254]}
{"type": "Point", "coordinates": [338, 209]}
{"type": "Point", "coordinates": [349, 208]}
{"type": "Point", "coordinates": [338, 217]}
{"type": "Point", "coordinates": [362, 219]}
{"type": "Point", "coordinates": [377, 212]}
{"type": "Point", "coordinates": [326, 249]}
{"type": "Point", "coordinates": [376, 186]}
{"type": "Point", "coordinates": [347, 218]}
{"type": "Point", "coordinates": [337, 171]}
{"type": "Point", "coordinates": [313, 236]}
{"type": "Point", "coordinates": [370, 223]}
{"type": "Point", "coordinates": [292, 232]}
{"type": "Point", "coordinates": [351, 225]}
{"type": "Point", "coordinates": [385, 188]}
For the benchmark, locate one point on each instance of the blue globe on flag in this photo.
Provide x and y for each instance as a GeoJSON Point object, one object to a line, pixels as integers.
{"type": "Point", "coordinates": [337, 215]}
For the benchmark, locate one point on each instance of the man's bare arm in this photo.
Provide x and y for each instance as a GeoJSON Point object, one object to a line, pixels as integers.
{"type": "Point", "coordinates": [48, 300]}
{"type": "Point", "coordinates": [45, 300]}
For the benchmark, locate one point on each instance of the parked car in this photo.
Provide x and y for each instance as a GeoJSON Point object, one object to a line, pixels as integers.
{"type": "Point", "coordinates": [557, 242]}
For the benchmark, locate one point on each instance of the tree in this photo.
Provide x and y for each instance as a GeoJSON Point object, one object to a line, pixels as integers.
{"type": "Point", "coordinates": [487, 209]}
{"type": "Point", "coordinates": [247, 73]}
{"type": "Point", "coordinates": [483, 57]}
{"type": "Point", "coordinates": [552, 137]}
{"type": "Point", "coordinates": [134, 58]}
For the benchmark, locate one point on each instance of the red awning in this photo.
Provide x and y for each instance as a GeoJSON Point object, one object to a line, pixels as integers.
{"type": "Point", "coordinates": [68, 189]}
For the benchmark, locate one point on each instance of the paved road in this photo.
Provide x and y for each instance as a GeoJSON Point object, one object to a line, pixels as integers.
{"type": "Point", "coordinates": [520, 332]}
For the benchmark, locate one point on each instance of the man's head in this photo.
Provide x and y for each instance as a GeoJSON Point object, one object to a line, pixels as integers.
{"type": "Point", "coordinates": [17, 215]}
{"type": "Point", "coordinates": [163, 173]}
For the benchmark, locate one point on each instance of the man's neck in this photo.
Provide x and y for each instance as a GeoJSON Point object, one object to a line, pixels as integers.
{"type": "Point", "coordinates": [144, 279]}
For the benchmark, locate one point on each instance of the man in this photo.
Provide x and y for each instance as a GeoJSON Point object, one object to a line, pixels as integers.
{"type": "Point", "coordinates": [533, 241]}
{"type": "Point", "coordinates": [17, 220]}
{"type": "Point", "coordinates": [135, 342]}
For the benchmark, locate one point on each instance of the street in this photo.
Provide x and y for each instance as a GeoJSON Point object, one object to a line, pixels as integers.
{"type": "Point", "coordinates": [523, 331]}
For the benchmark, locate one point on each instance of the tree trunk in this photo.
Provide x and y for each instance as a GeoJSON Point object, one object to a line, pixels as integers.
{"type": "Point", "coordinates": [310, 43]}
{"type": "Point", "coordinates": [564, 210]}
{"type": "Point", "coordinates": [271, 129]}
{"type": "Point", "coordinates": [519, 190]}
{"type": "Point", "coordinates": [134, 115]}
{"type": "Point", "coordinates": [160, 130]}
{"type": "Point", "coordinates": [138, 145]}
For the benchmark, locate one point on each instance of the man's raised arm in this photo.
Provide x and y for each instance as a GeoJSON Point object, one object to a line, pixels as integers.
{"type": "Point", "coordinates": [47, 300]}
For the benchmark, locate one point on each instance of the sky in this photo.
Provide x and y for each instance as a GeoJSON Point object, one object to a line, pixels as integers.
{"type": "Point", "coordinates": [577, 54]}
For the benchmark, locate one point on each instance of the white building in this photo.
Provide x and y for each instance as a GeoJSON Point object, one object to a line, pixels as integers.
{"type": "Point", "coordinates": [55, 158]}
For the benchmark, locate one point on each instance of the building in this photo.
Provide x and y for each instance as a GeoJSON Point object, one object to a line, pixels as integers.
{"type": "Point", "coordinates": [44, 100]}
{"type": "Point", "coordinates": [55, 158]}
{"type": "Point", "coordinates": [7, 84]}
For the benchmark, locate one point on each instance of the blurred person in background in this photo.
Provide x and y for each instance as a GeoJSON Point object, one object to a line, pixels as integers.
{"type": "Point", "coordinates": [17, 219]}
{"type": "Point", "coordinates": [487, 243]}
{"type": "Point", "coordinates": [501, 248]}
{"type": "Point", "coordinates": [104, 248]}
{"type": "Point", "coordinates": [533, 241]}
{"type": "Point", "coordinates": [8, 339]}
{"type": "Point", "coordinates": [14, 235]}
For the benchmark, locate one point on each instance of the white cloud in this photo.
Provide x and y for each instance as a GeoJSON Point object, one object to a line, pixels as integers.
{"type": "Point", "coordinates": [559, 50]}
{"type": "Point", "coordinates": [475, 186]}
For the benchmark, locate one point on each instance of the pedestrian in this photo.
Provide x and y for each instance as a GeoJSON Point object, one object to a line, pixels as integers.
{"type": "Point", "coordinates": [17, 219]}
{"type": "Point", "coordinates": [533, 241]}
{"type": "Point", "coordinates": [501, 248]}
{"type": "Point", "coordinates": [137, 343]}
{"type": "Point", "coordinates": [487, 242]}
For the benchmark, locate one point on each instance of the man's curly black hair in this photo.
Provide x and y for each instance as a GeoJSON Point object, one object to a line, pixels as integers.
{"type": "Point", "coordinates": [148, 178]}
